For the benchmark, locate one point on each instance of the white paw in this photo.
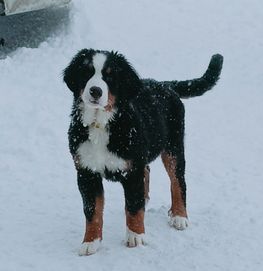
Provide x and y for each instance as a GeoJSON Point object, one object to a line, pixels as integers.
{"type": "Point", "coordinates": [179, 222]}
{"type": "Point", "coordinates": [89, 248]}
{"type": "Point", "coordinates": [134, 239]}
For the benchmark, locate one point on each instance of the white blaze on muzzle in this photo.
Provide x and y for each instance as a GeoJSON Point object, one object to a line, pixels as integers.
{"type": "Point", "coordinates": [95, 93]}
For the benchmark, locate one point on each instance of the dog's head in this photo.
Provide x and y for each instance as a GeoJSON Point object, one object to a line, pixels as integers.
{"type": "Point", "coordinates": [101, 79]}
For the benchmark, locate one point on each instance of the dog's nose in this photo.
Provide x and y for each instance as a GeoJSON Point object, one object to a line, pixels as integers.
{"type": "Point", "coordinates": [95, 92]}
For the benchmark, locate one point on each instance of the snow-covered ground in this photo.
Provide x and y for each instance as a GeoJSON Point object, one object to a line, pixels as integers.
{"type": "Point", "coordinates": [41, 220]}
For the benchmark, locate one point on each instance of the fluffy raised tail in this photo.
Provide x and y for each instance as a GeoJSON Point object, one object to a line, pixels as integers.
{"type": "Point", "coordinates": [198, 86]}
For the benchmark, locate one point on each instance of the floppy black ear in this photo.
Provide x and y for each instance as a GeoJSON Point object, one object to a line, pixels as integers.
{"type": "Point", "coordinates": [128, 80]}
{"type": "Point", "coordinates": [72, 74]}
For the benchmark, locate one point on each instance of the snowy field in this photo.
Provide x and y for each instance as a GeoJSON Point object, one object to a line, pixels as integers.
{"type": "Point", "coordinates": [41, 220]}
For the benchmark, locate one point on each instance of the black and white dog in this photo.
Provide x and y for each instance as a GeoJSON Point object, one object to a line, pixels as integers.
{"type": "Point", "coordinates": [120, 123]}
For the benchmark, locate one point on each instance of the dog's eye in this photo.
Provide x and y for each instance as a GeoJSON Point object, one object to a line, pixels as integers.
{"type": "Point", "coordinates": [107, 78]}
{"type": "Point", "coordinates": [107, 75]}
{"type": "Point", "coordinates": [90, 66]}
{"type": "Point", "coordinates": [88, 71]}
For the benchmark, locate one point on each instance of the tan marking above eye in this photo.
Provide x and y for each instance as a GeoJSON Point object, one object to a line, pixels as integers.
{"type": "Point", "coordinates": [85, 61]}
{"type": "Point", "coordinates": [108, 70]}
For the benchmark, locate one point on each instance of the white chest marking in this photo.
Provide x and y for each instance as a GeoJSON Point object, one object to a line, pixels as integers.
{"type": "Point", "coordinates": [93, 153]}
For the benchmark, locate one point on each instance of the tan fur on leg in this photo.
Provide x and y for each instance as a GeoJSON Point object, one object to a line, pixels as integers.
{"type": "Point", "coordinates": [178, 205]}
{"type": "Point", "coordinates": [94, 228]}
{"type": "Point", "coordinates": [135, 222]}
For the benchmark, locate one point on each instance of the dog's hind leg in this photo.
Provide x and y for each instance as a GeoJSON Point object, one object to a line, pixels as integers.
{"type": "Point", "coordinates": [174, 162]}
{"type": "Point", "coordinates": [91, 190]}
{"type": "Point", "coordinates": [175, 170]}
{"type": "Point", "coordinates": [134, 206]}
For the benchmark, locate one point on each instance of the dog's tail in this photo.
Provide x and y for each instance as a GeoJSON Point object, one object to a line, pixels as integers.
{"type": "Point", "coordinates": [198, 86]}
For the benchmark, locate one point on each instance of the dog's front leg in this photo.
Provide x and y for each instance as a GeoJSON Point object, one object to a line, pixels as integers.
{"type": "Point", "coordinates": [91, 190]}
{"type": "Point", "coordinates": [134, 207]}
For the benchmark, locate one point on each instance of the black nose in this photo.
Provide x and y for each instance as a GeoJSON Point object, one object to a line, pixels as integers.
{"type": "Point", "coordinates": [95, 92]}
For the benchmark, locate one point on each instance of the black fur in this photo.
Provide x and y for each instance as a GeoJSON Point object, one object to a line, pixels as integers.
{"type": "Point", "coordinates": [194, 87]}
{"type": "Point", "coordinates": [90, 187]}
{"type": "Point", "coordinates": [149, 121]}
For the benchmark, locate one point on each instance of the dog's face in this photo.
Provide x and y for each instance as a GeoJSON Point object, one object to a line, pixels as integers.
{"type": "Point", "coordinates": [101, 79]}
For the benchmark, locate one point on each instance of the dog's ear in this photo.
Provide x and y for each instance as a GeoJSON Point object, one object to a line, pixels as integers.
{"type": "Point", "coordinates": [128, 80]}
{"type": "Point", "coordinates": [73, 72]}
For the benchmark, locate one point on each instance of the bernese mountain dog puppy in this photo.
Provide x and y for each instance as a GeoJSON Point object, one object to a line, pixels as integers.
{"type": "Point", "coordinates": [119, 124]}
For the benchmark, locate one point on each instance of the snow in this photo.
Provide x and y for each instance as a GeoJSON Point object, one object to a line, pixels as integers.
{"type": "Point", "coordinates": [41, 219]}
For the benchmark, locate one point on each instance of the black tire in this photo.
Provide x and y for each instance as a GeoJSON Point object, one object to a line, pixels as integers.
{"type": "Point", "coordinates": [2, 42]}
